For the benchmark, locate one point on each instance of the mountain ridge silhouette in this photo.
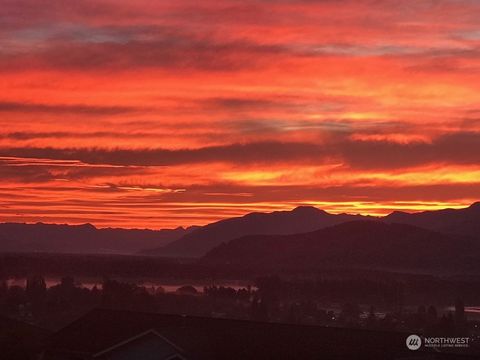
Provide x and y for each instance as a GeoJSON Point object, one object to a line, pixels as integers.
{"type": "Point", "coordinates": [83, 238]}
{"type": "Point", "coordinates": [196, 241]}
{"type": "Point", "coordinates": [308, 218]}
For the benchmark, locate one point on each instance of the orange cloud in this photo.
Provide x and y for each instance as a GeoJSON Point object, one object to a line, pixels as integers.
{"type": "Point", "coordinates": [158, 114]}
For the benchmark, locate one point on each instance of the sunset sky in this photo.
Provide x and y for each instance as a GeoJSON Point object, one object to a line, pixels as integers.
{"type": "Point", "coordinates": [164, 113]}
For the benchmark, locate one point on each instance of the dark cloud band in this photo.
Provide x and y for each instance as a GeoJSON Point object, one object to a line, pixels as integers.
{"type": "Point", "coordinates": [456, 148]}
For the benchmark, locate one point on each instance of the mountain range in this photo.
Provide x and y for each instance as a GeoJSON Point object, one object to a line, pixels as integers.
{"type": "Point", "coordinates": [306, 219]}
{"type": "Point", "coordinates": [299, 220]}
{"type": "Point", "coordinates": [464, 221]}
{"type": "Point", "coordinates": [196, 241]}
{"type": "Point", "coordinates": [16, 237]}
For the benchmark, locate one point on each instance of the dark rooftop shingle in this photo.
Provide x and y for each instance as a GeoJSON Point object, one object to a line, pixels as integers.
{"type": "Point", "coordinates": [209, 338]}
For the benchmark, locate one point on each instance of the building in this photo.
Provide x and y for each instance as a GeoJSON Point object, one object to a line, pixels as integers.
{"type": "Point", "coordinates": [124, 335]}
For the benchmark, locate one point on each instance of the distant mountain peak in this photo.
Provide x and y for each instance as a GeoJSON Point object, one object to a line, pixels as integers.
{"type": "Point", "coordinates": [396, 213]}
{"type": "Point", "coordinates": [298, 220]}
{"type": "Point", "coordinates": [88, 226]}
{"type": "Point", "coordinates": [308, 209]}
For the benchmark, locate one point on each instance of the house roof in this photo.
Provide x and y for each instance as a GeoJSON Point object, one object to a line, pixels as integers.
{"type": "Point", "coordinates": [203, 338]}
{"type": "Point", "coordinates": [20, 340]}
{"type": "Point", "coordinates": [14, 325]}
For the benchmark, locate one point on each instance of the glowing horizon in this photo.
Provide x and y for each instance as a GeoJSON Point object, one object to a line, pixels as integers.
{"type": "Point", "coordinates": [175, 113]}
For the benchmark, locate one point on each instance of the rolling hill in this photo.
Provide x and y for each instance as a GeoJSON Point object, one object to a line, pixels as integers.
{"type": "Point", "coordinates": [372, 244]}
